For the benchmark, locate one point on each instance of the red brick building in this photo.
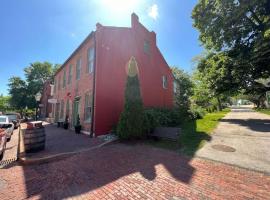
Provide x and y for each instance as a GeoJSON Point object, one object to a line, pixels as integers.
{"type": "Point", "coordinates": [45, 107]}
{"type": "Point", "coordinates": [92, 80]}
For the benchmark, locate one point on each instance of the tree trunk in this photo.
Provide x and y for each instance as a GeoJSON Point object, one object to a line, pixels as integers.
{"type": "Point", "coordinates": [219, 104]}
{"type": "Point", "coordinates": [261, 101]}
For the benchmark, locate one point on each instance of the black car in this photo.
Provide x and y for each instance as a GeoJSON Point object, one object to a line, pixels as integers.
{"type": "Point", "coordinates": [15, 118]}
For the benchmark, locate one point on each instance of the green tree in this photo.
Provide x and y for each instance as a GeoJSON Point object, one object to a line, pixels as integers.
{"type": "Point", "coordinates": [37, 74]}
{"type": "Point", "coordinates": [4, 103]}
{"type": "Point", "coordinates": [232, 23]}
{"type": "Point", "coordinates": [130, 125]}
{"type": "Point", "coordinates": [238, 34]}
{"type": "Point", "coordinates": [184, 87]}
{"type": "Point", "coordinates": [18, 93]}
{"type": "Point", "coordinates": [201, 93]}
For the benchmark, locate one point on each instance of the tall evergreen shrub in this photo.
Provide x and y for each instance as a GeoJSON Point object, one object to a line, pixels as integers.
{"type": "Point", "coordinates": [130, 125]}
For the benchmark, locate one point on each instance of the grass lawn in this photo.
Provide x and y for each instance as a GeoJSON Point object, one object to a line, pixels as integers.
{"type": "Point", "coordinates": [265, 111]}
{"type": "Point", "coordinates": [194, 134]}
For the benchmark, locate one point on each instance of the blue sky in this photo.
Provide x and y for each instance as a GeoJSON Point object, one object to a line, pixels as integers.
{"type": "Point", "coordinates": [49, 30]}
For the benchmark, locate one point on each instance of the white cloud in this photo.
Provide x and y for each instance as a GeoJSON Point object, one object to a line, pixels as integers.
{"type": "Point", "coordinates": [153, 11]}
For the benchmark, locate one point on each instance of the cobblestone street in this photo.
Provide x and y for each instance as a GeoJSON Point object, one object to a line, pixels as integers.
{"type": "Point", "coordinates": [122, 171]}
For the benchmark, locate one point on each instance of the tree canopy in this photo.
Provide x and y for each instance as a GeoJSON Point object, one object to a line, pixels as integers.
{"type": "Point", "coordinates": [237, 35]}
{"type": "Point", "coordinates": [184, 87]}
{"type": "Point", "coordinates": [22, 92]}
{"type": "Point", "coordinates": [37, 74]}
{"type": "Point", "coordinates": [18, 93]}
{"type": "Point", "coordinates": [4, 103]}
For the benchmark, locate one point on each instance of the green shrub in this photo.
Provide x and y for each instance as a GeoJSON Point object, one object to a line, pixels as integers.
{"type": "Point", "coordinates": [211, 108]}
{"type": "Point", "coordinates": [196, 112]}
{"type": "Point", "coordinates": [161, 117]}
{"type": "Point", "coordinates": [130, 125]}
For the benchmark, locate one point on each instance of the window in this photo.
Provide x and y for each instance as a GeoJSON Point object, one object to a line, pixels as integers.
{"type": "Point", "coordinates": [55, 84]}
{"type": "Point", "coordinates": [90, 60]}
{"type": "Point", "coordinates": [78, 69]}
{"type": "Point", "coordinates": [62, 110]}
{"type": "Point", "coordinates": [59, 83]}
{"type": "Point", "coordinates": [64, 79]}
{"type": "Point", "coordinates": [146, 46]}
{"type": "Point", "coordinates": [70, 74]}
{"type": "Point", "coordinates": [164, 82]}
{"type": "Point", "coordinates": [67, 108]}
{"type": "Point", "coordinates": [87, 107]}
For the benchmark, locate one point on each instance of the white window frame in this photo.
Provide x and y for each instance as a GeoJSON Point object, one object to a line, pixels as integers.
{"type": "Point", "coordinates": [70, 74]}
{"type": "Point", "coordinates": [64, 79]}
{"type": "Point", "coordinates": [78, 68]}
{"type": "Point", "coordinates": [164, 82]}
{"type": "Point", "coordinates": [88, 105]}
{"type": "Point", "coordinates": [90, 59]}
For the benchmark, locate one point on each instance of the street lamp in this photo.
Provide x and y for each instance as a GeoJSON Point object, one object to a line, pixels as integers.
{"type": "Point", "coordinates": [37, 97]}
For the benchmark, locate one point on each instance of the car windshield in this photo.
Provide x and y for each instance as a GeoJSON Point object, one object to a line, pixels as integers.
{"type": "Point", "coordinates": [3, 119]}
{"type": "Point", "coordinates": [12, 117]}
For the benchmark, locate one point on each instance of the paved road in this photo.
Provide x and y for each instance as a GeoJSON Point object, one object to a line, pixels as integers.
{"type": "Point", "coordinates": [248, 132]}
{"type": "Point", "coordinates": [11, 149]}
{"type": "Point", "coordinates": [121, 171]}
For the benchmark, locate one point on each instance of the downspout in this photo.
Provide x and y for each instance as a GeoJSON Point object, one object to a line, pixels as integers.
{"type": "Point", "coordinates": [94, 89]}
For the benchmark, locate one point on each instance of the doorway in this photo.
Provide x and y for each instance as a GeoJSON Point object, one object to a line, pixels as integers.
{"type": "Point", "coordinates": [76, 109]}
{"type": "Point", "coordinates": [57, 110]}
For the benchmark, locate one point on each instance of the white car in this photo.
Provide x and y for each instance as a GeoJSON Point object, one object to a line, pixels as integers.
{"type": "Point", "coordinates": [3, 141]}
{"type": "Point", "coordinates": [6, 124]}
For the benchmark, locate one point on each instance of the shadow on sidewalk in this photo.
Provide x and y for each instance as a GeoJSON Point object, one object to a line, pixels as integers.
{"type": "Point", "coordinates": [260, 125]}
{"type": "Point", "coordinates": [88, 171]}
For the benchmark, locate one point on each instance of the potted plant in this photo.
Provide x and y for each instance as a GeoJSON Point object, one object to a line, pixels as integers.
{"type": "Point", "coordinates": [78, 126]}
{"type": "Point", "coordinates": [66, 122]}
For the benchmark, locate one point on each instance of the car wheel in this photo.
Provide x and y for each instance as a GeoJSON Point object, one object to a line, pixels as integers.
{"type": "Point", "coordinates": [8, 139]}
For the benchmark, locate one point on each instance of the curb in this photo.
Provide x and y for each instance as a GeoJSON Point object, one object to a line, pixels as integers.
{"type": "Point", "coordinates": [57, 157]}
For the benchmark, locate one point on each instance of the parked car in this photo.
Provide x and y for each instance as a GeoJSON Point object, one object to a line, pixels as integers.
{"type": "Point", "coordinates": [6, 124]}
{"type": "Point", "coordinates": [15, 118]}
{"type": "Point", "coordinates": [3, 141]}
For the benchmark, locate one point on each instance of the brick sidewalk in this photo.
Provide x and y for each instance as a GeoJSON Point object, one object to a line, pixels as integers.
{"type": "Point", "coordinates": [121, 171]}
{"type": "Point", "coordinates": [59, 140]}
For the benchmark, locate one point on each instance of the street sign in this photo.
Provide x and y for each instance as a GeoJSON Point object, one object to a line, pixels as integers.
{"type": "Point", "coordinates": [52, 101]}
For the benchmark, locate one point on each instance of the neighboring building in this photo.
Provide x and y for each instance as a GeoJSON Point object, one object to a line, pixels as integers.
{"type": "Point", "coordinates": [92, 80]}
{"type": "Point", "coordinates": [45, 107]}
